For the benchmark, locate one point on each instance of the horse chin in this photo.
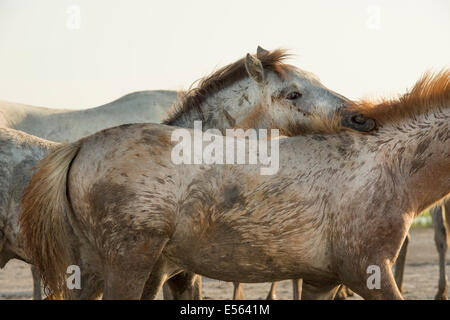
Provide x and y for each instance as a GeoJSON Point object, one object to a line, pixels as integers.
{"type": "Point", "coordinates": [358, 122]}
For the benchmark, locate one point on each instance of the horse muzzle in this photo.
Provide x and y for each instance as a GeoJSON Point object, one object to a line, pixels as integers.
{"type": "Point", "coordinates": [357, 121]}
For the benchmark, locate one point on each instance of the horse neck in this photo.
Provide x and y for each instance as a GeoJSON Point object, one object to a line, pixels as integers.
{"type": "Point", "coordinates": [224, 109]}
{"type": "Point", "coordinates": [415, 154]}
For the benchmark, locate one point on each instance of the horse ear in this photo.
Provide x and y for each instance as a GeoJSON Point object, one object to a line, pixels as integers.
{"type": "Point", "coordinates": [254, 68]}
{"type": "Point", "coordinates": [261, 51]}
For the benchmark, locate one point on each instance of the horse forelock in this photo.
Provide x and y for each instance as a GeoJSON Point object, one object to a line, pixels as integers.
{"type": "Point", "coordinates": [223, 78]}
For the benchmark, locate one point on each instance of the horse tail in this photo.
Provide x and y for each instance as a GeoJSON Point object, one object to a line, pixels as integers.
{"type": "Point", "coordinates": [44, 225]}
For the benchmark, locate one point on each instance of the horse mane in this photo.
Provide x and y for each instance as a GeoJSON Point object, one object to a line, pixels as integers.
{"type": "Point", "coordinates": [222, 78]}
{"type": "Point", "coordinates": [431, 91]}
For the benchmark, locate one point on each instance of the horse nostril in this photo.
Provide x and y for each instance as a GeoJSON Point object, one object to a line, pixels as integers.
{"type": "Point", "coordinates": [359, 119]}
{"type": "Point", "coordinates": [358, 122]}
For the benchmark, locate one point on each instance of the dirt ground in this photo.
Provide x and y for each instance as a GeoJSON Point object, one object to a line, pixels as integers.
{"type": "Point", "coordinates": [421, 276]}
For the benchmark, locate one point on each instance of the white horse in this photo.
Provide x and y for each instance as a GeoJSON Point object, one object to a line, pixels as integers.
{"type": "Point", "coordinates": [70, 125]}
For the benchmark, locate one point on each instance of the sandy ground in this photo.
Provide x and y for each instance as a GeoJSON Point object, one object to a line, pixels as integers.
{"type": "Point", "coordinates": [421, 276]}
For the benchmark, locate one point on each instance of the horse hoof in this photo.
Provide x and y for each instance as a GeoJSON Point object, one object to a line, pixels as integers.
{"type": "Point", "coordinates": [441, 297]}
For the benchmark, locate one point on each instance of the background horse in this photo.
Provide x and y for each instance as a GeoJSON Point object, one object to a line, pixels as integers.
{"type": "Point", "coordinates": [70, 125]}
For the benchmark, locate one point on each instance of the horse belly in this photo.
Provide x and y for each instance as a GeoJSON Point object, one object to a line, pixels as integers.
{"type": "Point", "coordinates": [232, 254]}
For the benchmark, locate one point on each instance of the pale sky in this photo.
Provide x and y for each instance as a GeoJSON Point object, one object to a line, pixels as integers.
{"type": "Point", "coordinates": [84, 53]}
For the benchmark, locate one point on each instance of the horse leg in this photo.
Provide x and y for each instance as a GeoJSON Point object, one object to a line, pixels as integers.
{"type": "Point", "coordinates": [297, 288]}
{"type": "Point", "coordinates": [446, 208]}
{"type": "Point", "coordinates": [272, 295]}
{"type": "Point", "coordinates": [400, 263]}
{"type": "Point", "coordinates": [155, 281]}
{"type": "Point", "coordinates": [440, 238]}
{"type": "Point", "coordinates": [91, 287]}
{"type": "Point", "coordinates": [167, 293]}
{"type": "Point", "coordinates": [37, 293]}
{"type": "Point", "coordinates": [184, 286]}
{"type": "Point", "coordinates": [126, 274]}
{"type": "Point", "coordinates": [348, 291]}
{"type": "Point", "coordinates": [387, 289]}
{"type": "Point", "coordinates": [238, 294]}
{"type": "Point", "coordinates": [341, 293]}
{"type": "Point", "coordinates": [91, 279]}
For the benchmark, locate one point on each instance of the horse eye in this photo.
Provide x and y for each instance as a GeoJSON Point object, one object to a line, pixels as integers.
{"type": "Point", "coordinates": [293, 95]}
